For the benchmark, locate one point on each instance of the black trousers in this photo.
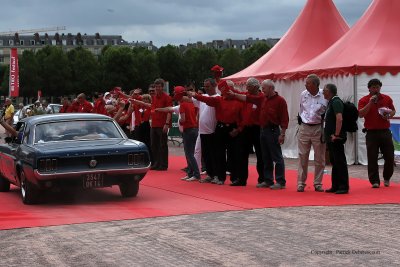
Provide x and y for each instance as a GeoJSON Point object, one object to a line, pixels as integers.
{"type": "Point", "coordinates": [208, 153]}
{"type": "Point", "coordinates": [340, 174]}
{"type": "Point", "coordinates": [379, 140]}
{"type": "Point", "coordinates": [142, 133]}
{"type": "Point", "coordinates": [225, 151]}
{"type": "Point", "coordinates": [159, 148]}
{"type": "Point", "coordinates": [249, 137]}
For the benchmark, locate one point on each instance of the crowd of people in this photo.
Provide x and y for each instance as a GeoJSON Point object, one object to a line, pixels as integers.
{"type": "Point", "coordinates": [221, 124]}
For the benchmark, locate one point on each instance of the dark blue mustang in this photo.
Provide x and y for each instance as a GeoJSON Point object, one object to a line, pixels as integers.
{"type": "Point", "coordinates": [71, 150]}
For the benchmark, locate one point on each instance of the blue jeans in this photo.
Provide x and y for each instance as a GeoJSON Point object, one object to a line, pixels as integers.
{"type": "Point", "coordinates": [189, 143]}
{"type": "Point", "coordinates": [272, 153]}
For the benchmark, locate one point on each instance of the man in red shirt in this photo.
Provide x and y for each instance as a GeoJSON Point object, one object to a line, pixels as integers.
{"type": "Point", "coordinates": [250, 135]}
{"type": "Point", "coordinates": [274, 120]}
{"type": "Point", "coordinates": [217, 72]}
{"type": "Point", "coordinates": [99, 104]}
{"type": "Point", "coordinates": [84, 105]}
{"type": "Point", "coordinates": [66, 104]}
{"type": "Point", "coordinates": [377, 109]}
{"type": "Point", "coordinates": [188, 119]}
{"type": "Point", "coordinates": [160, 124]}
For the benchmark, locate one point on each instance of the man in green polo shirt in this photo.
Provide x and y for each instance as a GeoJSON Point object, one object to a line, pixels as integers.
{"type": "Point", "coordinates": [335, 137]}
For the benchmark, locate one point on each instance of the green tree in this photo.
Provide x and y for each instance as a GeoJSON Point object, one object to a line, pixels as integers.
{"type": "Point", "coordinates": [252, 54]}
{"type": "Point", "coordinates": [54, 71]}
{"type": "Point", "coordinates": [231, 60]}
{"type": "Point", "coordinates": [29, 78]}
{"type": "Point", "coordinates": [171, 65]}
{"type": "Point", "coordinates": [198, 62]}
{"type": "Point", "coordinates": [85, 71]}
{"type": "Point", "coordinates": [146, 65]}
{"type": "Point", "coordinates": [5, 69]}
{"type": "Point", "coordinates": [118, 67]}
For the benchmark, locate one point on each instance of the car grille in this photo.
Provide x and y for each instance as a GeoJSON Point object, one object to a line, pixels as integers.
{"type": "Point", "coordinates": [84, 163]}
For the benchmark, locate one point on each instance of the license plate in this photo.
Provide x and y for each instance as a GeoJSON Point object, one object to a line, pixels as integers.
{"type": "Point", "coordinates": [93, 180]}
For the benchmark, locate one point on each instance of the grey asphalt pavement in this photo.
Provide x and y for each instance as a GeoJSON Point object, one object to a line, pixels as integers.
{"type": "Point", "coordinates": [357, 235]}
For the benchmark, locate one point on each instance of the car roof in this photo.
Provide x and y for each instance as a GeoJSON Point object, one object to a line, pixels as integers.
{"type": "Point", "coordinates": [64, 116]}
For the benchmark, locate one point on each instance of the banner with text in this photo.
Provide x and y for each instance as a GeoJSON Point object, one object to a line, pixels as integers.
{"type": "Point", "coordinates": [14, 73]}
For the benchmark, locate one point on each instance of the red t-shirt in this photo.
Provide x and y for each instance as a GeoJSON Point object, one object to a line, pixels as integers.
{"type": "Point", "coordinates": [273, 110]}
{"type": "Point", "coordinates": [138, 115]}
{"type": "Point", "coordinates": [74, 107]}
{"type": "Point", "coordinates": [99, 107]}
{"type": "Point", "coordinates": [65, 107]}
{"type": "Point", "coordinates": [145, 113]}
{"type": "Point", "coordinates": [190, 112]}
{"type": "Point", "coordinates": [373, 120]}
{"type": "Point", "coordinates": [159, 119]}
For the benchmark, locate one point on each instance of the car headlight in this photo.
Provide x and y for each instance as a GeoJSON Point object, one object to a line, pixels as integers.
{"type": "Point", "coordinates": [46, 165]}
{"type": "Point", "coordinates": [136, 159]}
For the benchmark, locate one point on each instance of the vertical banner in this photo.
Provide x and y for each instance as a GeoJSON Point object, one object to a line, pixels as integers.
{"type": "Point", "coordinates": [14, 73]}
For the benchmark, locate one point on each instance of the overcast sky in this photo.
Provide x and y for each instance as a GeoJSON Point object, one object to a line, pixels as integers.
{"type": "Point", "coordinates": [166, 21]}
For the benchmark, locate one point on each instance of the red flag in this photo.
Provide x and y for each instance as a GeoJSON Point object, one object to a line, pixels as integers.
{"type": "Point", "coordinates": [14, 73]}
{"type": "Point", "coordinates": [39, 94]}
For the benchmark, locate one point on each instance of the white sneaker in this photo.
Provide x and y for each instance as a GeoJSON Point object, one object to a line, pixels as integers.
{"type": "Point", "coordinates": [192, 179]}
{"type": "Point", "coordinates": [203, 173]}
{"type": "Point", "coordinates": [185, 178]}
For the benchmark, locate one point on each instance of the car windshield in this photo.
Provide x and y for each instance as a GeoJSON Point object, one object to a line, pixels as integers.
{"type": "Point", "coordinates": [75, 130]}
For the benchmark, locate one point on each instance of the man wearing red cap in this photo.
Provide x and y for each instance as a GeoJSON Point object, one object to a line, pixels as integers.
{"type": "Point", "coordinates": [160, 124]}
{"type": "Point", "coordinates": [217, 72]}
{"type": "Point", "coordinates": [228, 114]}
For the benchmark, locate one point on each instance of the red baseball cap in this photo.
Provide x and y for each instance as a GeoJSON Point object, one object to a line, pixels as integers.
{"type": "Point", "coordinates": [179, 92]}
{"type": "Point", "coordinates": [217, 68]}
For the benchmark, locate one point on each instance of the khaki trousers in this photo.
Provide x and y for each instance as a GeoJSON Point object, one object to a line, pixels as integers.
{"type": "Point", "coordinates": [310, 136]}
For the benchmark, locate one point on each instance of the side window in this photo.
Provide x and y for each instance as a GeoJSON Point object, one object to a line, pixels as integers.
{"type": "Point", "coordinates": [26, 137]}
{"type": "Point", "coordinates": [20, 128]}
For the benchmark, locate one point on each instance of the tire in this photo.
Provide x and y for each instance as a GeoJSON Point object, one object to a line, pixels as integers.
{"type": "Point", "coordinates": [4, 185]}
{"type": "Point", "coordinates": [29, 192]}
{"type": "Point", "coordinates": [129, 188]}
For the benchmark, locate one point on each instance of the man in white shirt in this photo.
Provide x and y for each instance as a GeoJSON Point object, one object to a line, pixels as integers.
{"type": "Point", "coordinates": [207, 124]}
{"type": "Point", "coordinates": [312, 107]}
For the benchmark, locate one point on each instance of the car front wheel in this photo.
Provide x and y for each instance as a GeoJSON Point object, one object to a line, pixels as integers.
{"type": "Point", "coordinates": [4, 185]}
{"type": "Point", "coordinates": [129, 188]}
{"type": "Point", "coordinates": [29, 193]}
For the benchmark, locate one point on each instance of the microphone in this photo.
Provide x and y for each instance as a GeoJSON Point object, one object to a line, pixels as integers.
{"type": "Point", "coordinates": [375, 99]}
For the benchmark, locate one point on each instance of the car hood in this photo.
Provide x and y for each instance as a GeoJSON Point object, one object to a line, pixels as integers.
{"type": "Point", "coordinates": [109, 146]}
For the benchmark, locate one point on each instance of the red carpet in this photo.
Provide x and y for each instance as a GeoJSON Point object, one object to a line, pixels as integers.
{"type": "Point", "coordinates": [164, 194]}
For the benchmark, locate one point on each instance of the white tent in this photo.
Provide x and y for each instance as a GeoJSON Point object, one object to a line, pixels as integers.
{"type": "Point", "coordinates": [368, 50]}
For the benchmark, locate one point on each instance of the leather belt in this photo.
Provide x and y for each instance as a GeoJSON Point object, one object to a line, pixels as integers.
{"type": "Point", "coordinates": [309, 124]}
